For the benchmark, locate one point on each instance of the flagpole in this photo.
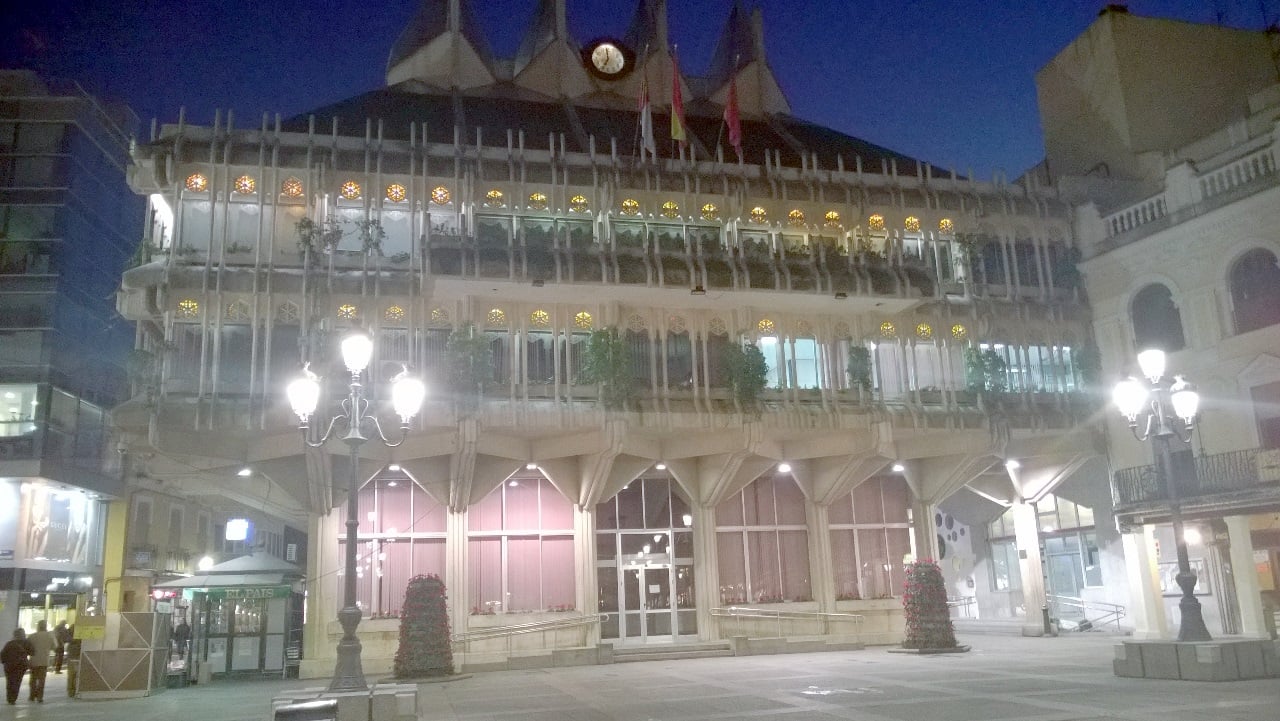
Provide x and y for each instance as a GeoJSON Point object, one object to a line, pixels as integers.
{"type": "Point", "coordinates": [637, 142]}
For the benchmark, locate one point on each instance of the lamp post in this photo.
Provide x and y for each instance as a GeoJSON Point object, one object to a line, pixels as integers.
{"type": "Point", "coordinates": [1163, 411]}
{"type": "Point", "coordinates": [304, 395]}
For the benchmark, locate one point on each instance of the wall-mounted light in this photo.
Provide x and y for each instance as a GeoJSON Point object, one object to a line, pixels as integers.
{"type": "Point", "coordinates": [899, 468]}
{"type": "Point", "coordinates": [784, 467]}
{"type": "Point", "coordinates": [245, 472]}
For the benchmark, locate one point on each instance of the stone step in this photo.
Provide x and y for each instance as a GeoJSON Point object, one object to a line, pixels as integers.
{"type": "Point", "coordinates": [669, 652]}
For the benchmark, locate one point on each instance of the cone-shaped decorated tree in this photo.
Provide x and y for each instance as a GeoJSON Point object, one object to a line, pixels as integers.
{"type": "Point", "coordinates": [924, 604]}
{"type": "Point", "coordinates": [424, 630]}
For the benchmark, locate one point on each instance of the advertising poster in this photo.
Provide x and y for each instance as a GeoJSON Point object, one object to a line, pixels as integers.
{"type": "Point", "coordinates": [56, 525]}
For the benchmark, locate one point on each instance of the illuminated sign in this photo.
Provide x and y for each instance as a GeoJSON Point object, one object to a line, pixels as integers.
{"type": "Point", "coordinates": [237, 529]}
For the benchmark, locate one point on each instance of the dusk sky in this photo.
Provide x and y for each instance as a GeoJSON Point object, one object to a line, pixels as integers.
{"type": "Point", "coordinates": [951, 82]}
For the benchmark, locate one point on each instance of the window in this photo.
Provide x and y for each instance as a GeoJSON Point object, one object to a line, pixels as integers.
{"type": "Point", "coordinates": [520, 548]}
{"type": "Point", "coordinates": [870, 537]}
{"type": "Point", "coordinates": [1266, 407]}
{"type": "Point", "coordinates": [401, 535]}
{"type": "Point", "coordinates": [138, 534]}
{"type": "Point", "coordinates": [1005, 573]}
{"type": "Point", "coordinates": [1255, 290]}
{"type": "Point", "coordinates": [175, 527]}
{"type": "Point", "coordinates": [762, 543]}
{"type": "Point", "coordinates": [1157, 323]}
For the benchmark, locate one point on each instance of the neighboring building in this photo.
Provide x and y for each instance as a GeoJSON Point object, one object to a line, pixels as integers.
{"type": "Point", "coordinates": [514, 199]}
{"type": "Point", "coordinates": [68, 225]}
{"type": "Point", "coordinates": [1180, 205]}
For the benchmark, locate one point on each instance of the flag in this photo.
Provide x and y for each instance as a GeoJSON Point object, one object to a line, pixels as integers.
{"type": "Point", "coordinates": [646, 123]}
{"type": "Point", "coordinates": [731, 118]}
{"type": "Point", "coordinates": [677, 104]}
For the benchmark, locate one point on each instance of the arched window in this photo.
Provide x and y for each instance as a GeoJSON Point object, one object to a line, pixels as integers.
{"type": "Point", "coordinates": [1255, 290]}
{"type": "Point", "coordinates": [1156, 320]}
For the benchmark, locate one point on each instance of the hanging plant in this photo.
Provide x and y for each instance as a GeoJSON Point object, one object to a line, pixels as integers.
{"type": "Point", "coordinates": [371, 235]}
{"type": "Point", "coordinates": [859, 367]}
{"type": "Point", "coordinates": [607, 364]}
{"type": "Point", "coordinates": [747, 372]}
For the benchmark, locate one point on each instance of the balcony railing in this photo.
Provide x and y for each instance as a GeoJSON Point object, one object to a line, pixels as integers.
{"type": "Point", "coordinates": [1214, 474]}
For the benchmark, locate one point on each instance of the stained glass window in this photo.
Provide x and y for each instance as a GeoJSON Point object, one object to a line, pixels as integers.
{"type": "Point", "coordinates": [197, 183]}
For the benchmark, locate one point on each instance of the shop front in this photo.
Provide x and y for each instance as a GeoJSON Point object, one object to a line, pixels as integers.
{"type": "Point", "coordinates": [245, 617]}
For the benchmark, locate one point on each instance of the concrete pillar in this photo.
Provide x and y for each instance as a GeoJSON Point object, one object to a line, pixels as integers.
{"type": "Point", "coordinates": [923, 533]}
{"type": "Point", "coordinates": [9, 609]}
{"type": "Point", "coordinates": [1146, 602]}
{"type": "Point", "coordinates": [1248, 593]}
{"type": "Point", "coordinates": [323, 596]}
{"type": "Point", "coordinates": [706, 570]}
{"type": "Point", "coordinates": [114, 546]}
{"type": "Point", "coordinates": [1026, 532]}
{"type": "Point", "coordinates": [822, 582]}
{"type": "Point", "coordinates": [585, 573]}
{"type": "Point", "coordinates": [455, 574]}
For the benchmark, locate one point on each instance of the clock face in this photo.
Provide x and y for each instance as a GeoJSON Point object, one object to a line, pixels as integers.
{"type": "Point", "coordinates": [608, 58]}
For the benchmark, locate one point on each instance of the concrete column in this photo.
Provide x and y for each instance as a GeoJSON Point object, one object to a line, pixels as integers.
{"type": "Point", "coordinates": [455, 574]}
{"type": "Point", "coordinates": [322, 596]}
{"type": "Point", "coordinates": [922, 530]}
{"type": "Point", "coordinates": [114, 545]}
{"type": "Point", "coordinates": [1026, 532]}
{"type": "Point", "coordinates": [9, 608]}
{"type": "Point", "coordinates": [822, 582]}
{"type": "Point", "coordinates": [1248, 593]}
{"type": "Point", "coordinates": [585, 573]}
{"type": "Point", "coordinates": [706, 570]}
{"type": "Point", "coordinates": [1146, 602]}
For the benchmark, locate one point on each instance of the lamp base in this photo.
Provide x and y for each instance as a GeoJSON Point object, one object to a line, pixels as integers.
{"type": "Point", "coordinates": [1232, 659]}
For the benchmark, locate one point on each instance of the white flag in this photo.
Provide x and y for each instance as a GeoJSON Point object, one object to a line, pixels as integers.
{"type": "Point", "coordinates": [646, 123]}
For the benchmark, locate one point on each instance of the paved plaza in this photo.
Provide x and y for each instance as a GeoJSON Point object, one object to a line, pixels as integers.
{"type": "Point", "coordinates": [1053, 679]}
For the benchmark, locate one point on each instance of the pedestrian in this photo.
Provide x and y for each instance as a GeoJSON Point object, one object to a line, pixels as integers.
{"type": "Point", "coordinates": [41, 646]}
{"type": "Point", "coordinates": [62, 636]}
{"type": "Point", "coordinates": [182, 636]}
{"type": "Point", "coordinates": [16, 656]}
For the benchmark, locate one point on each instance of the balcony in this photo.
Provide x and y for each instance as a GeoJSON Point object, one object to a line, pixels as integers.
{"type": "Point", "coordinates": [1235, 481]}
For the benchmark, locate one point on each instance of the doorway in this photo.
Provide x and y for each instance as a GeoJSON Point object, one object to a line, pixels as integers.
{"type": "Point", "coordinates": [644, 565]}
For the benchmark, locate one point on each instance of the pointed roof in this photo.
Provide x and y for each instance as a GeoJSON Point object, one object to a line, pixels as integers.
{"type": "Point", "coordinates": [735, 48]}
{"type": "Point", "coordinates": [648, 27]}
{"type": "Point", "coordinates": [430, 22]}
{"type": "Point", "coordinates": [539, 35]}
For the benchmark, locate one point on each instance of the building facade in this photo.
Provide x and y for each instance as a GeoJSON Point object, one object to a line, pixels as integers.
{"type": "Point", "coordinates": [68, 224]}
{"type": "Point", "coordinates": [924, 340]}
{"type": "Point", "coordinates": [1178, 233]}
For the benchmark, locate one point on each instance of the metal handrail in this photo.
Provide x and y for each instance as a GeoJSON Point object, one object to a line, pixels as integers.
{"type": "Point", "coordinates": [1109, 612]}
{"type": "Point", "coordinates": [963, 603]}
{"type": "Point", "coordinates": [520, 628]}
{"type": "Point", "coordinates": [741, 612]}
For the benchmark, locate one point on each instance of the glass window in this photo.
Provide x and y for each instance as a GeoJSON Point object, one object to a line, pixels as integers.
{"type": "Point", "coordinates": [520, 548]}
{"type": "Point", "coordinates": [1005, 574]}
{"type": "Point", "coordinates": [765, 560]}
{"type": "Point", "coordinates": [1092, 559]}
{"type": "Point", "coordinates": [870, 538]}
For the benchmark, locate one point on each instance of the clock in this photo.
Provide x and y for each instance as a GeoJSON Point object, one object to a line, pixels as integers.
{"type": "Point", "coordinates": [608, 58]}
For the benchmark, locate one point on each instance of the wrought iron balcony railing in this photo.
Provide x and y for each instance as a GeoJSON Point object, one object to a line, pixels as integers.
{"type": "Point", "coordinates": [1202, 476]}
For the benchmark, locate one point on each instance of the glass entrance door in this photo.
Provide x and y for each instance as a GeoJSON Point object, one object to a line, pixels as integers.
{"type": "Point", "coordinates": [647, 614]}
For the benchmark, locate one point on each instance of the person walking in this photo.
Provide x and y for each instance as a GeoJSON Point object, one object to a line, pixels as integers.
{"type": "Point", "coordinates": [16, 656]}
{"type": "Point", "coordinates": [61, 636]}
{"type": "Point", "coordinates": [42, 643]}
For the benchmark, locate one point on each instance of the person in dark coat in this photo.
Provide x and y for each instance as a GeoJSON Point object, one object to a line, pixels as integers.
{"type": "Point", "coordinates": [181, 637]}
{"type": "Point", "coordinates": [16, 657]}
{"type": "Point", "coordinates": [62, 637]}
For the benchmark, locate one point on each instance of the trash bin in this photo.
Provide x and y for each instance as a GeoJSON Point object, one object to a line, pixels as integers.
{"type": "Point", "coordinates": [322, 709]}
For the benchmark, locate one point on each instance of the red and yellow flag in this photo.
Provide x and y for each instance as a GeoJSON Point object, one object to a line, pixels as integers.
{"type": "Point", "coordinates": [677, 103]}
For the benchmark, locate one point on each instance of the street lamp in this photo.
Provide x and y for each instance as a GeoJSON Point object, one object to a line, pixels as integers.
{"type": "Point", "coordinates": [304, 395]}
{"type": "Point", "coordinates": [1164, 410]}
